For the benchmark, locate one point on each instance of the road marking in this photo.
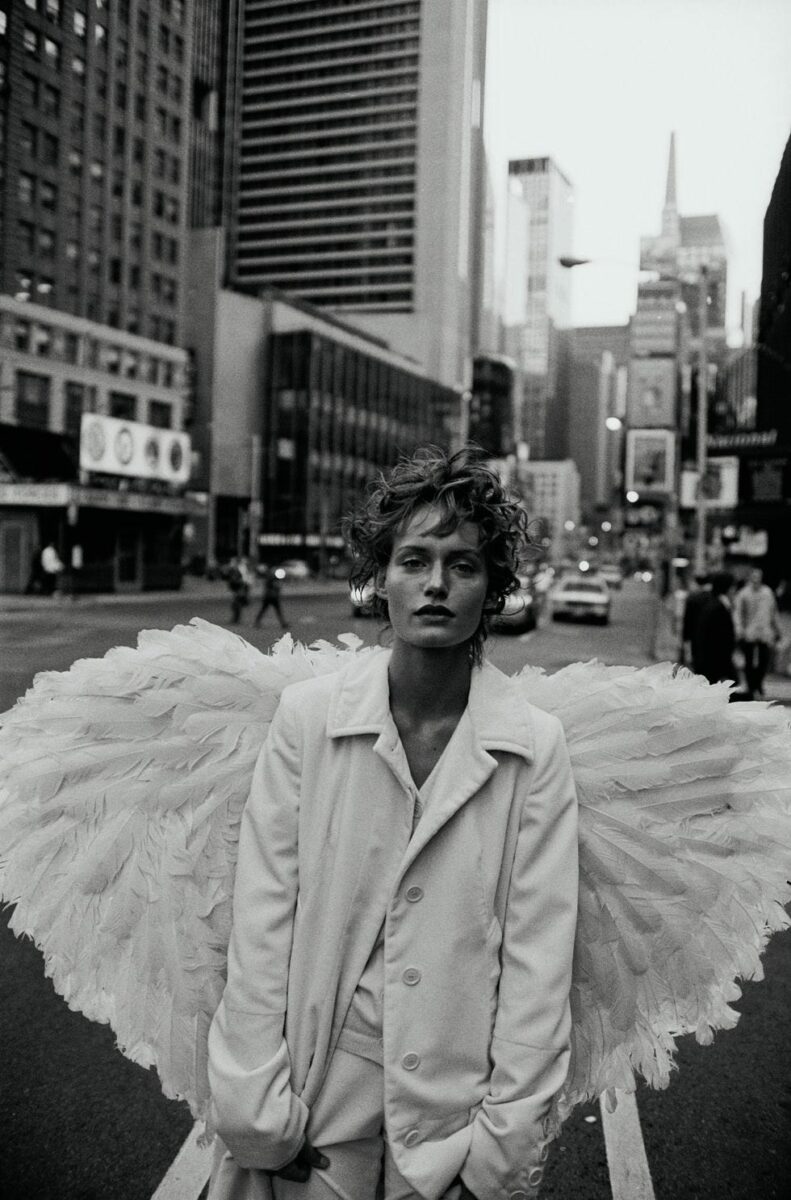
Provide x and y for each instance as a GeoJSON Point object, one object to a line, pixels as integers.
{"type": "Point", "coordinates": [189, 1171]}
{"type": "Point", "coordinates": [630, 1178]}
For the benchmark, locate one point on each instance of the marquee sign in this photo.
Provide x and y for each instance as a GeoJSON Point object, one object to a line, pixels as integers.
{"type": "Point", "coordinates": [110, 446]}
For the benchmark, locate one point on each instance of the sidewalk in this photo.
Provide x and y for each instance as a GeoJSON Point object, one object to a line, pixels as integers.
{"type": "Point", "coordinates": [666, 649]}
{"type": "Point", "coordinates": [193, 588]}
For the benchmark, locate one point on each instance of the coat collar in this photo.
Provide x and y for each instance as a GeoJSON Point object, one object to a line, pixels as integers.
{"type": "Point", "coordinates": [497, 708]}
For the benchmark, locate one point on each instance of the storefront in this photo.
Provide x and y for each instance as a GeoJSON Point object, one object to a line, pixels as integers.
{"type": "Point", "coordinates": [128, 541]}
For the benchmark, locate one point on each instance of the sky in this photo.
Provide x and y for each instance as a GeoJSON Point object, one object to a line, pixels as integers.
{"type": "Point", "coordinates": [599, 85]}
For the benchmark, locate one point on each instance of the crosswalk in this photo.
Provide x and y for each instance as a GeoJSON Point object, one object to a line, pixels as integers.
{"type": "Point", "coordinates": [630, 1177]}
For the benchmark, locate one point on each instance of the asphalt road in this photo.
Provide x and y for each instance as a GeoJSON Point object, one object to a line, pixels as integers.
{"type": "Point", "coordinates": [79, 1122]}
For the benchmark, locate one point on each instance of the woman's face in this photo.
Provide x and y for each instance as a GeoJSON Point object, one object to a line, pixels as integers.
{"type": "Point", "coordinates": [435, 584]}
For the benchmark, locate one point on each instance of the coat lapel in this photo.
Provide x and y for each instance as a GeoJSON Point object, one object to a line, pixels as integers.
{"type": "Point", "coordinates": [497, 717]}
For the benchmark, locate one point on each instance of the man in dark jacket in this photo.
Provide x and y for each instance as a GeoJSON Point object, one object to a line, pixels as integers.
{"type": "Point", "coordinates": [714, 637]}
{"type": "Point", "coordinates": [696, 600]}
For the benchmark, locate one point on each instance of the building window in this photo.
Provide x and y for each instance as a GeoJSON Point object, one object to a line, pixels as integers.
{"type": "Point", "coordinates": [140, 106]}
{"type": "Point", "coordinates": [48, 195]}
{"type": "Point", "coordinates": [29, 140]}
{"type": "Point", "coordinates": [75, 162]}
{"type": "Point", "coordinates": [76, 403]}
{"type": "Point", "coordinates": [46, 243]}
{"type": "Point", "coordinates": [52, 52]}
{"type": "Point", "coordinates": [123, 406]}
{"type": "Point", "coordinates": [80, 23]}
{"type": "Point", "coordinates": [114, 272]}
{"type": "Point", "coordinates": [53, 10]}
{"type": "Point", "coordinates": [160, 414]}
{"type": "Point", "coordinates": [120, 94]}
{"type": "Point", "coordinates": [78, 66]}
{"type": "Point", "coordinates": [50, 100]}
{"type": "Point", "coordinates": [30, 40]}
{"type": "Point", "coordinates": [27, 236]}
{"type": "Point", "coordinates": [71, 347]}
{"type": "Point", "coordinates": [49, 150]}
{"type": "Point", "coordinates": [26, 188]}
{"type": "Point", "coordinates": [32, 399]}
{"type": "Point", "coordinates": [119, 139]}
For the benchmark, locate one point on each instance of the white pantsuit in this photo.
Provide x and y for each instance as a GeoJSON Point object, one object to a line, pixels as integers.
{"type": "Point", "coordinates": [478, 908]}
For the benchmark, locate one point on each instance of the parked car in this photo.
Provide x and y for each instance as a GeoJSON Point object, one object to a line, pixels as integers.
{"type": "Point", "coordinates": [521, 610]}
{"type": "Point", "coordinates": [360, 600]}
{"type": "Point", "coordinates": [295, 568]}
{"type": "Point", "coordinates": [584, 596]}
{"type": "Point", "coordinates": [612, 575]}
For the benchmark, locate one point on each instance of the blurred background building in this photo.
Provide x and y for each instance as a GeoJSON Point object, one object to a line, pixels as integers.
{"type": "Point", "coordinates": [547, 205]}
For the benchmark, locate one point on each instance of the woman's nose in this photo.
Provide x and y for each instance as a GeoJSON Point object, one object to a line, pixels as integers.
{"type": "Point", "coordinates": [435, 584]}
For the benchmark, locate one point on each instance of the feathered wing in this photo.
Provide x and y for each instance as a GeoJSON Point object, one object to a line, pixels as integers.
{"type": "Point", "coordinates": [123, 783]}
{"type": "Point", "coordinates": [685, 857]}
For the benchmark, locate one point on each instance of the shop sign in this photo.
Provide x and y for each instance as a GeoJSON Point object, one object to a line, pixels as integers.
{"type": "Point", "coordinates": [749, 440]}
{"type": "Point", "coordinates": [88, 497]}
{"type": "Point", "coordinates": [35, 495]}
{"type": "Point", "coordinates": [111, 446]}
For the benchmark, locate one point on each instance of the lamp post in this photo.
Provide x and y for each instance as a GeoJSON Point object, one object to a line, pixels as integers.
{"type": "Point", "coordinates": [701, 280]}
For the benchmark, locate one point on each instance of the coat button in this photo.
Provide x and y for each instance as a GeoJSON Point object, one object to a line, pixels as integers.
{"type": "Point", "coordinates": [535, 1176]}
{"type": "Point", "coordinates": [413, 894]}
{"type": "Point", "coordinates": [412, 1138]}
{"type": "Point", "coordinates": [518, 1195]}
{"type": "Point", "coordinates": [546, 1125]}
{"type": "Point", "coordinates": [410, 1062]}
{"type": "Point", "coordinates": [411, 976]}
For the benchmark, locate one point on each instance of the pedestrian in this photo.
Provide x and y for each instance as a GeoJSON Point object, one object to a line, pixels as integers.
{"type": "Point", "coordinates": [409, 1034]}
{"type": "Point", "coordinates": [51, 568]}
{"type": "Point", "coordinates": [693, 606]}
{"type": "Point", "coordinates": [714, 636]}
{"type": "Point", "coordinates": [239, 580]}
{"type": "Point", "coordinates": [270, 598]}
{"type": "Point", "coordinates": [76, 562]}
{"type": "Point", "coordinates": [757, 628]}
{"type": "Point", "coordinates": [35, 580]}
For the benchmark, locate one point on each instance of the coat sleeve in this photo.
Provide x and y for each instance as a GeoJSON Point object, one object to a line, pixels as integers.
{"type": "Point", "coordinates": [530, 1044]}
{"type": "Point", "coordinates": [255, 1111]}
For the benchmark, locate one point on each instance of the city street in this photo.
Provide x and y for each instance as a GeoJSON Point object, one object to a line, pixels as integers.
{"type": "Point", "coordinates": [80, 1122]}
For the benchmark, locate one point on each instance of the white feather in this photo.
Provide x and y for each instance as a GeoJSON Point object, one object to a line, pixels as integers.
{"type": "Point", "coordinates": [124, 779]}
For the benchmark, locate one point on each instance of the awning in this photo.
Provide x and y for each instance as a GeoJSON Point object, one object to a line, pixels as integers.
{"type": "Point", "coordinates": [36, 455]}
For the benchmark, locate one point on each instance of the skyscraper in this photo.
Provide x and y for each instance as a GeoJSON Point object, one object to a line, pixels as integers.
{"type": "Point", "coordinates": [96, 112]}
{"type": "Point", "coordinates": [550, 197]}
{"type": "Point", "coordinates": [360, 144]}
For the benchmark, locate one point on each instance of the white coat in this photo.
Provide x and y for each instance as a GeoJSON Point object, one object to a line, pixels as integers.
{"type": "Point", "coordinates": [482, 904]}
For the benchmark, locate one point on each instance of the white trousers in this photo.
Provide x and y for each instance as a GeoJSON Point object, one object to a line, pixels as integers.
{"type": "Point", "coordinates": [346, 1124]}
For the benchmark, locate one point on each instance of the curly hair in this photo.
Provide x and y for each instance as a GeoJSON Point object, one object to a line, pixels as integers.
{"type": "Point", "coordinates": [463, 489]}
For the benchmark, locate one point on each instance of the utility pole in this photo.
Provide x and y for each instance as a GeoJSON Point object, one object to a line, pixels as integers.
{"type": "Point", "coordinates": [703, 424]}
{"type": "Point", "coordinates": [254, 512]}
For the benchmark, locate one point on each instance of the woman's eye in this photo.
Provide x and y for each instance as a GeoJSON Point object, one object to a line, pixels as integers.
{"type": "Point", "coordinates": [465, 568]}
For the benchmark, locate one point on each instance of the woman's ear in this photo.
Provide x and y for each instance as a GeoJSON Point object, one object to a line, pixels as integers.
{"type": "Point", "coordinates": [380, 586]}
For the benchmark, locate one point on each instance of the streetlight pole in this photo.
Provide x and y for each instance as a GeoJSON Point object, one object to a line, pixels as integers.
{"type": "Point", "coordinates": [703, 425]}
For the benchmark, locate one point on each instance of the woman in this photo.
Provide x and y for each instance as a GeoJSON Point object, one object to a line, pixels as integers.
{"type": "Point", "coordinates": [396, 1012]}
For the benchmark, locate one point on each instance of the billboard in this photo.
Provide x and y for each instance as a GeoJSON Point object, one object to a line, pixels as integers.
{"type": "Point", "coordinates": [111, 446]}
{"type": "Point", "coordinates": [652, 393]}
{"type": "Point", "coordinates": [650, 460]}
{"type": "Point", "coordinates": [721, 487]}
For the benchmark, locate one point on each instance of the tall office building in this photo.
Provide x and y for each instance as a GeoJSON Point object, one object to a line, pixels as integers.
{"type": "Point", "coordinates": [360, 144]}
{"type": "Point", "coordinates": [549, 196]}
{"type": "Point", "coordinates": [95, 114]}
